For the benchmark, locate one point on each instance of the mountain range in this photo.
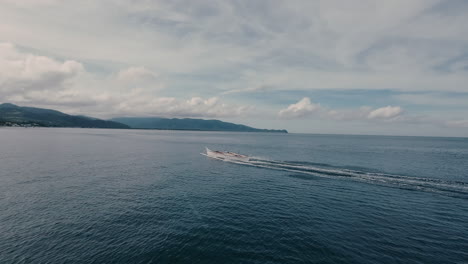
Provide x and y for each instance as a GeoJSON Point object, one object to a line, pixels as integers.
{"type": "Point", "coordinates": [188, 124]}
{"type": "Point", "coordinates": [14, 115]}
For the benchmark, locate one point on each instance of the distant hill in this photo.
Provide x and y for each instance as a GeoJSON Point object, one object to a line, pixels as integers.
{"type": "Point", "coordinates": [187, 124]}
{"type": "Point", "coordinates": [13, 115]}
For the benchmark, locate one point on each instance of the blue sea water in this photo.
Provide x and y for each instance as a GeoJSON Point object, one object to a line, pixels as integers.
{"type": "Point", "coordinates": [142, 196]}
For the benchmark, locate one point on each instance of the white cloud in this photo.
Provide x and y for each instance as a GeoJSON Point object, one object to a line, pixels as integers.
{"type": "Point", "coordinates": [29, 79]}
{"type": "Point", "coordinates": [173, 107]}
{"type": "Point", "coordinates": [387, 112]}
{"type": "Point", "coordinates": [305, 108]}
{"type": "Point", "coordinates": [24, 72]}
{"type": "Point", "coordinates": [136, 74]}
{"type": "Point", "coordinates": [300, 109]}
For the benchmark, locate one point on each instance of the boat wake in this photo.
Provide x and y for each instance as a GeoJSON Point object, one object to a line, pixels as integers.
{"type": "Point", "coordinates": [452, 188]}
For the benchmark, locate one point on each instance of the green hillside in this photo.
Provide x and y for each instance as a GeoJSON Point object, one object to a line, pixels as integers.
{"type": "Point", "coordinates": [13, 115]}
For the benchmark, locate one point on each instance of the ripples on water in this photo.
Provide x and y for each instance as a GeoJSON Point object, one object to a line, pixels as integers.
{"type": "Point", "coordinates": [119, 196]}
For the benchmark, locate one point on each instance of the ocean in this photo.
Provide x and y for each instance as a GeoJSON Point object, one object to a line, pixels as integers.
{"type": "Point", "coordinates": [147, 196]}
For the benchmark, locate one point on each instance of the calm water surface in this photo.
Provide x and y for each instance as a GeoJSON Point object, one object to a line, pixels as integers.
{"type": "Point", "coordinates": [140, 196]}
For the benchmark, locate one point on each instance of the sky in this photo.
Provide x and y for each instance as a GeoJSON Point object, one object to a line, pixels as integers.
{"type": "Point", "coordinates": [395, 67]}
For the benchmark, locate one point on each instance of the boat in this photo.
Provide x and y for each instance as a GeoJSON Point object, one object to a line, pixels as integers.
{"type": "Point", "coordinates": [226, 155]}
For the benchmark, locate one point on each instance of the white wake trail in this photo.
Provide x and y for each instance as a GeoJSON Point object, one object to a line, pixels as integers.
{"type": "Point", "coordinates": [400, 181]}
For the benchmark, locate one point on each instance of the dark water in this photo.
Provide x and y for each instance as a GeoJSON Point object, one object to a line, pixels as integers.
{"type": "Point", "coordinates": [121, 196]}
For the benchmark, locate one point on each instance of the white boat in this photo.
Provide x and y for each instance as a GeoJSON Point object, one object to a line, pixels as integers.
{"type": "Point", "coordinates": [226, 155]}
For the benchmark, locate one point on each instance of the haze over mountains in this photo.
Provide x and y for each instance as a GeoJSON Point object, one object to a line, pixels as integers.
{"type": "Point", "coordinates": [13, 115]}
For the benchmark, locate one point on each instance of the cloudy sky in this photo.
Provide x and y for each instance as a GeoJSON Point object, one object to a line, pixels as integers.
{"type": "Point", "coordinates": [395, 67]}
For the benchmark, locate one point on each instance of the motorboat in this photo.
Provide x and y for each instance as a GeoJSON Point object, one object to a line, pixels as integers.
{"type": "Point", "coordinates": [226, 155]}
